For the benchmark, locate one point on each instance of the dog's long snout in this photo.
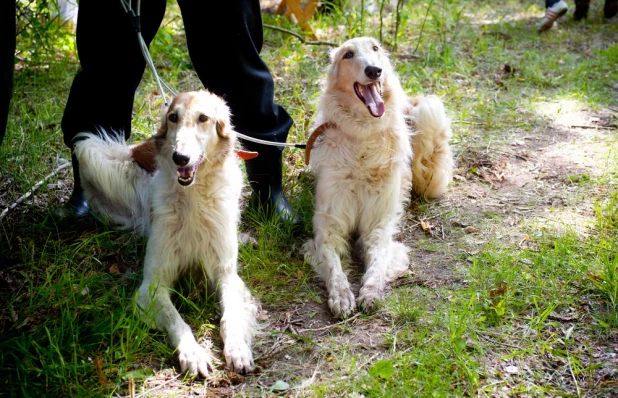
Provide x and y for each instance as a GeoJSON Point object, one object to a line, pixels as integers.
{"type": "Point", "coordinates": [373, 72]}
{"type": "Point", "coordinates": [180, 159]}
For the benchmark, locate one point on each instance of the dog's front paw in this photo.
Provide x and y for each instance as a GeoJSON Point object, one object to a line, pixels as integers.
{"type": "Point", "coordinates": [341, 299]}
{"type": "Point", "coordinates": [238, 357]}
{"type": "Point", "coordinates": [368, 297]}
{"type": "Point", "coordinates": [194, 359]}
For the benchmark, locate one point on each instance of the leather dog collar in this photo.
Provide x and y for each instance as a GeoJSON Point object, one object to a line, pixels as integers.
{"type": "Point", "coordinates": [314, 136]}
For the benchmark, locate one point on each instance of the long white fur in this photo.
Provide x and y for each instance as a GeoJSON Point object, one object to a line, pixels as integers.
{"type": "Point", "coordinates": [104, 159]}
{"type": "Point", "coordinates": [363, 176]}
{"type": "Point", "coordinates": [192, 226]}
{"type": "Point", "coordinates": [432, 166]}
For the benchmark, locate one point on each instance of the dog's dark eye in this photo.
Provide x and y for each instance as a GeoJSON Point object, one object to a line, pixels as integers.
{"type": "Point", "coordinates": [375, 48]}
{"type": "Point", "coordinates": [173, 117]}
{"type": "Point", "coordinates": [348, 55]}
{"type": "Point", "coordinates": [203, 118]}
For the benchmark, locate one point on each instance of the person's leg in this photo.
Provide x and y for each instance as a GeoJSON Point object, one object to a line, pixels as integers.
{"type": "Point", "coordinates": [610, 9]}
{"type": "Point", "coordinates": [581, 9]}
{"type": "Point", "coordinates": [224, 40]}
{"type": "Point", "coordinates": [112, 66]}
{"type": "Point", "coordinates": [7, 60]}
{"type": "Point", "coordinates": [554, 10]}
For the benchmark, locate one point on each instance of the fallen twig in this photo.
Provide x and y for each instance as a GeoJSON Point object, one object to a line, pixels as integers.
{"type": "Point", "coordinates": [466, 122]}
{"type": "Point", "coordinates": [330, 326]}
{"type": "Point", "coordinates": [307, 383]}
{"type": "Point", "coordinates": [370, 360]}
{"type": "Point", "coordinates": [427, 219]}
{"type": "Point", "coordinates": [499, 34]}
{"type": "Point", "coordinates": [300, 37]}
{"type": "Point", "coordinates": [275, 349]}
{"type": "Point", "coordinates": [131, 387]}
{"type": "Point", "coordinates": [484, 336]}
{"type": "Point", "coordinates": [520, 157]}
{"type": "Point", "coordinates": [98, 364]}
{"type": "Point", "coordinates": [403, 282]}
{"type": "Point", "coordinates": [34, 188]}
{"type": "Point", "coordinates": [584, 126]}
{"type": "Point", "coordinates": [579, 393]}
{"type": "Point", "coordinates": [145, 393]}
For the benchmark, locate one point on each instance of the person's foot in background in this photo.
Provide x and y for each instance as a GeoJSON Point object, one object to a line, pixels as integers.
{"type": "Point", "coordinates": [552, 13]}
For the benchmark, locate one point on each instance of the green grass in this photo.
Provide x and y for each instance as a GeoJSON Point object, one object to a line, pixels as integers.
{"type": "Point", "coordinates": [513, 290]}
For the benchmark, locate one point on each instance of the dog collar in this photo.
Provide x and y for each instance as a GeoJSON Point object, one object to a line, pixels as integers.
{"type": "Point", "coordinates": [314, 136]}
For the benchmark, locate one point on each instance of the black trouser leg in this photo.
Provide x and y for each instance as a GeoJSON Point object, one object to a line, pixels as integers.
{"type": "Point", "coordinates": [581, 9]}
{"type": "Point", "coordinates": [112, 66]}
{"type": "Point", "coordinates": [7, 60]}
{"type": "Point", "coordinates": [225, 51]}
{"type": "Point", "coordinates": [610, 9]}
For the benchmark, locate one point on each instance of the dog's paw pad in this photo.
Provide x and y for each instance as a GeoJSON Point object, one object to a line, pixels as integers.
{"type": "Point", "coordinates": [341, 301]}
{"type": "Point", "coordinates": [194, 360]}
{"type": "Point", "coordinates": [238, 357]}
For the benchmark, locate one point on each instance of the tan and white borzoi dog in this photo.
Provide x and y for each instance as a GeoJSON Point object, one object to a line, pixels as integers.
{"type": "Point", "coordinates": [182, 187]}
{"type": "Point", "coordinates": [377, 145]}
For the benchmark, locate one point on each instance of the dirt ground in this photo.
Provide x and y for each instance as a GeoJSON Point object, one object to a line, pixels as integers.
{"type": "Point", "coordinates": [497, 190]}
{"type": "Point", "coordinates": [534, 174]}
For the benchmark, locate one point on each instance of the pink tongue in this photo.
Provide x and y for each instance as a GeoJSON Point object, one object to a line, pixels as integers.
{"type": "Point", "coordinates": [185, 172]}
{"type": "Point", "coordinates": [373, 100]}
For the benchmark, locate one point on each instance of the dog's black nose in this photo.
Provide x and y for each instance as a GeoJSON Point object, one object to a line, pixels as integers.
{"type": "Point", "coordinates": [373, 72]}
{"type": "Point", "coordinates": [180, 159]}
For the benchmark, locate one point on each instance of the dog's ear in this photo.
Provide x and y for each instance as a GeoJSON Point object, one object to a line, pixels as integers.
{"type": "Point", "coordinates": [222, 120]}
{"type": "Point", "coordinates": [223, 128]}
{"type": "Point", "coordinates": [161, 135]}
{"type": "Point", "coordinates": [332, 55]}
{"type": "Point", "coordinates": [333, 68]}
{"type": "Point", "coordinates": [162, 131]}
{"type": "Point", "coordinates": [144, 154]}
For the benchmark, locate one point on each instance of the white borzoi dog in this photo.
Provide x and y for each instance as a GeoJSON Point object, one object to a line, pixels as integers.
{"type": "Point", "coordinates": [182, 187]}
{"type": "Point", "coordinates": [376, 144]}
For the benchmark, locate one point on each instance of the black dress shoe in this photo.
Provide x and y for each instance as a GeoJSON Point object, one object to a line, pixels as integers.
{"type": "Point", "coordinates": [265, 174]}
{"type": "Point", "coordinates": [76, 207]}
{"type": "Point", "coordinates": [273, 201]}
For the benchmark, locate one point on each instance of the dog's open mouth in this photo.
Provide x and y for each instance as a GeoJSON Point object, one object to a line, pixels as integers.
{"type": "Point", "coordinates": [371, 95]}
{"type": "Point", "coordinates": [186, 175]}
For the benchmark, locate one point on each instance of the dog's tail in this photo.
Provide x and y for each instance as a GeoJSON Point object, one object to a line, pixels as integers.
{"type": "Point", "coordinates": [432, 165]}
{"type": "Point", "coordinates": [116, 185]}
